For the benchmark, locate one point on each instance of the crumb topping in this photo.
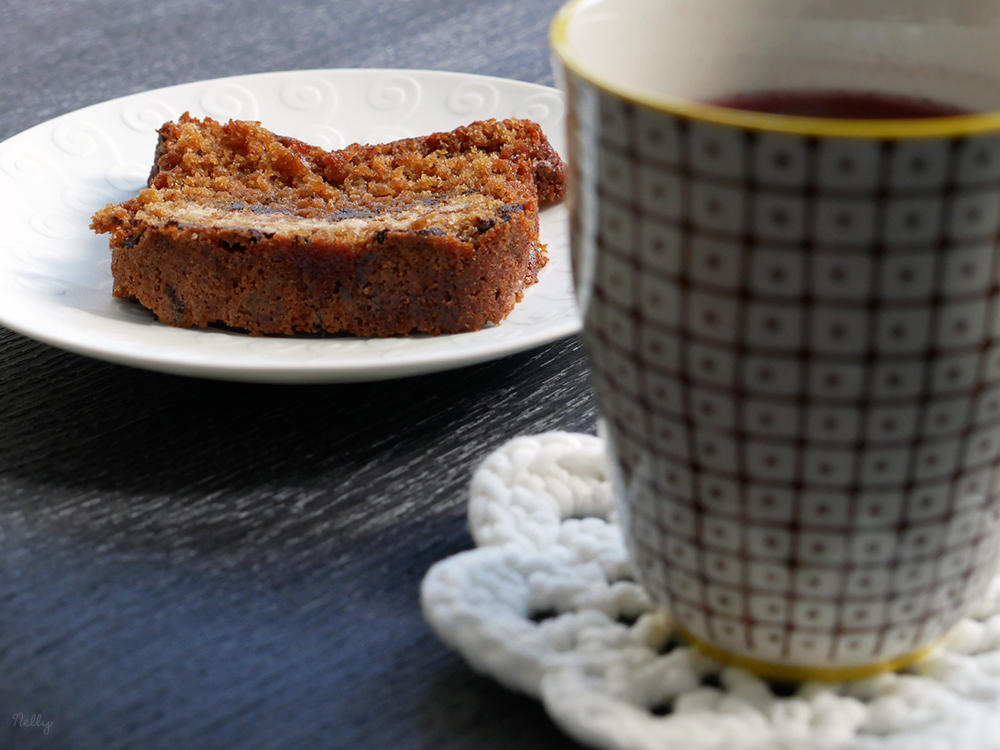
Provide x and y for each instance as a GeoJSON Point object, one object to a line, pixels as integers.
{"type": "Point", "coordinates": [240, 174]}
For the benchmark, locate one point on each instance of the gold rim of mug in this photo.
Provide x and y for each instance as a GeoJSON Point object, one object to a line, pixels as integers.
{"type": "Point", "coordinates": [787, 673]}
{"type": "Point", "coordinates": [929, 127]}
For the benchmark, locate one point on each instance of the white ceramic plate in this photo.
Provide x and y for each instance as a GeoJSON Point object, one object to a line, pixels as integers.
{"type": "Point", "coordinates": [55, 276]}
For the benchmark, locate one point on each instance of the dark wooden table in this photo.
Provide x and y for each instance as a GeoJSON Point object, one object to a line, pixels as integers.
{"type": "Point", "coordinates": [188, 563]}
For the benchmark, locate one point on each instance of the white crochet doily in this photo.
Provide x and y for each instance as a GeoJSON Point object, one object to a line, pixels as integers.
{"type": "Point", "coordinates": [547, 605]}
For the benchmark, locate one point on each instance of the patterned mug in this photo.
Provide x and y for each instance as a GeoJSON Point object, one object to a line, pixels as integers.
{"type": "Point", "coordinates": [793, 322]}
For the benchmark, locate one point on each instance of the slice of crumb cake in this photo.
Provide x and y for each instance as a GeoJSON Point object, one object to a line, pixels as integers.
{"type": "Point", "coordinates": [248, 229]}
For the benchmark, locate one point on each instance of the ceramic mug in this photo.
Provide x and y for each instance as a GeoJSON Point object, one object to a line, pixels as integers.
{"type": "Point", "coordinates": [792, 322]}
